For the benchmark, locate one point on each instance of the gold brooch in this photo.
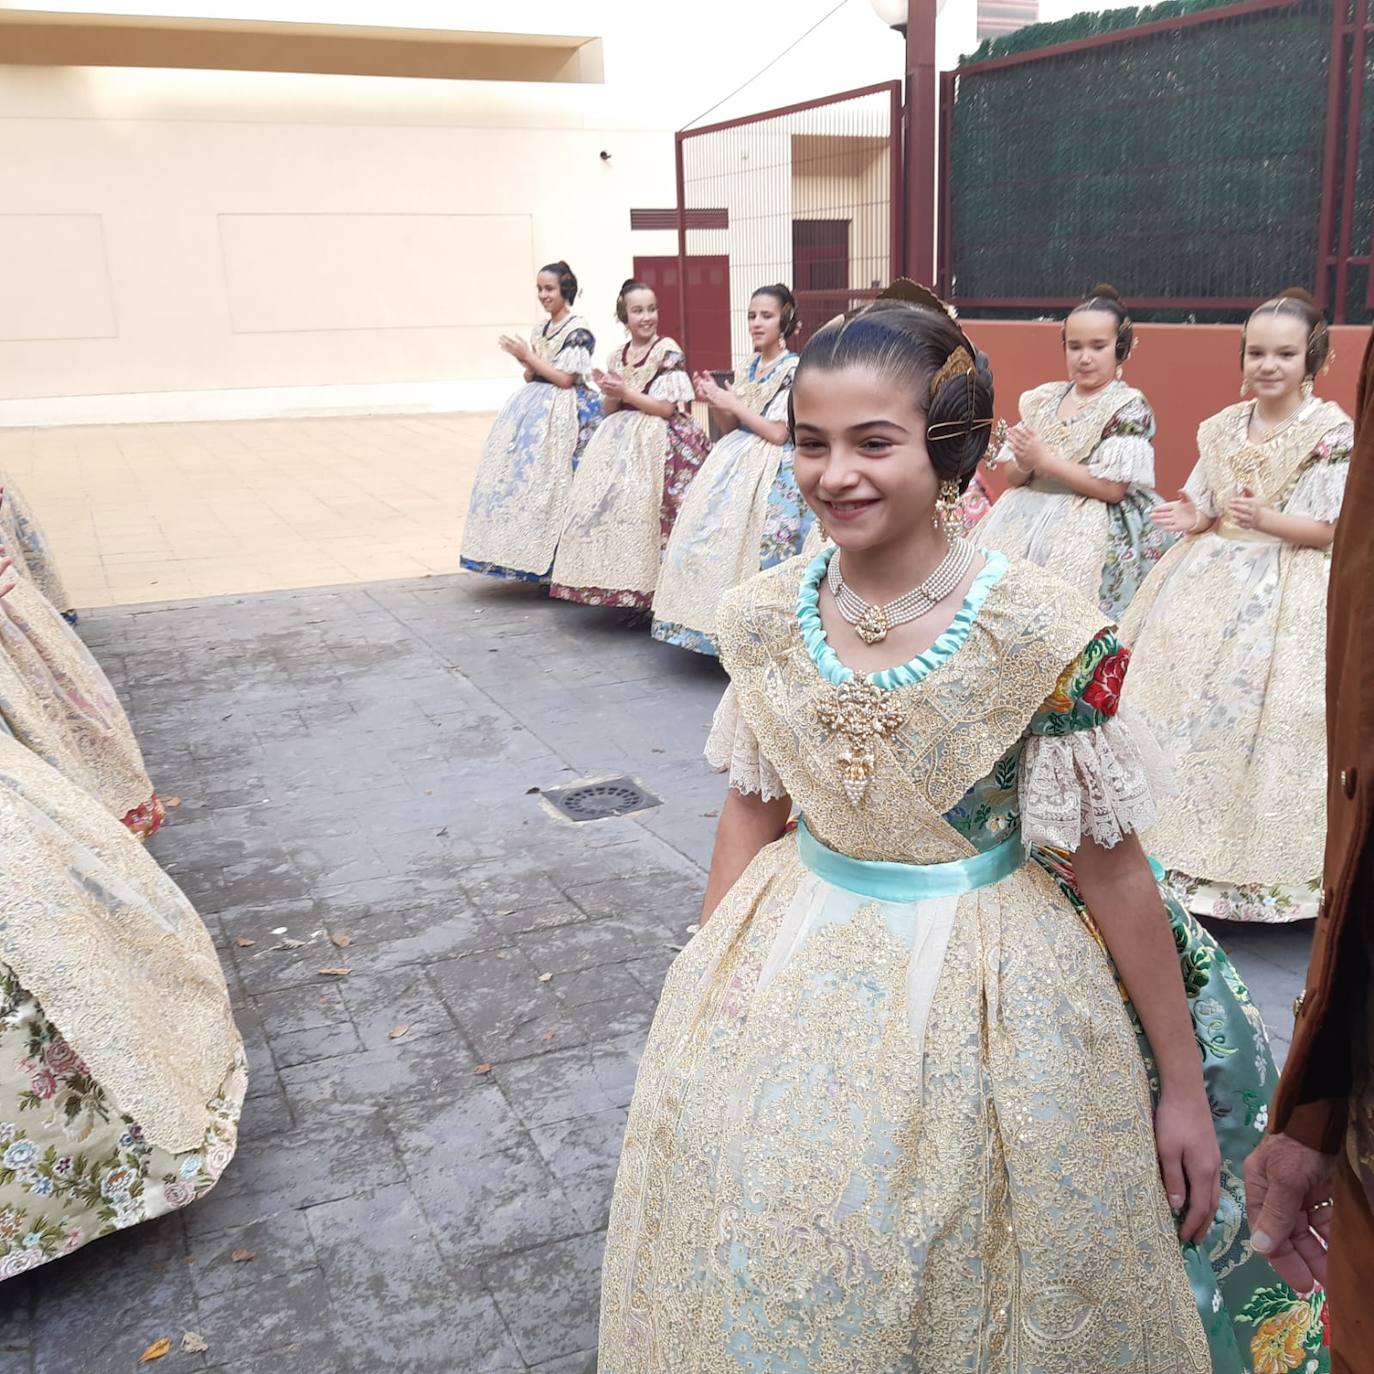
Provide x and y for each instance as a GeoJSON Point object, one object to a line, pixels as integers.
{"type": "Point", "coordinates": [863, 714]}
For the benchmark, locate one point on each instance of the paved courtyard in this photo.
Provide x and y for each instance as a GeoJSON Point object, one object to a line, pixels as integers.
{"type": "Point", "coordinates": [428, 1147]}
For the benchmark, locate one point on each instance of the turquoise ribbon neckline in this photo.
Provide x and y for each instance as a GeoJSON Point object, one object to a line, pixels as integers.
{"type": "Point", "coordinates": [904, 674]}
{"type": "Point", "coordinates": [893, 882]}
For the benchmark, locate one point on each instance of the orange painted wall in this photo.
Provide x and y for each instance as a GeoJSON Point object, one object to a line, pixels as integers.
{"type": "Point", "coordinates": [1188, 372]}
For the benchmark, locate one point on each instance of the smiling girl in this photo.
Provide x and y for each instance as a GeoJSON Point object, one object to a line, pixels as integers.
{"type": "Point", "coordinates": [520, 493]}
{"type": "Point", "coordinates": [1229, 633]}
{"type": "Point", "coordinates": [1082, 465]}
{"type": "Point", "coordinates": [894, 1113]}
{"type": "Point", "coordinates": [636, 470]}
{"type": "Point", "coordinates": [743, 512]}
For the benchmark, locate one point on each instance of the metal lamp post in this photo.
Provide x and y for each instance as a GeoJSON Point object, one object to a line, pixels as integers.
{"type": "Point", "coordinates": [915, 21]}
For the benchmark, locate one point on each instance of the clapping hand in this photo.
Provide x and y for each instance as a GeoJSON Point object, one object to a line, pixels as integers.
{"type": "Point", "coordinates": [1179, 517]}
{"type": "Point", "coordinates": [710, 391]}
{"type": "Point", "coordinates": [612, 384]}
{"type": "Point", "coordinates": [1027, 447]}
{"type": "Point", "coordinates": [1247, 510]}
{"type": "Point", "coordinates": [517, 348]}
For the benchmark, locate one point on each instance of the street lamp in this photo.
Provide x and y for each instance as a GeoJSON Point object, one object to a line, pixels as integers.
{"type": "Point", "coordinates": [915, 21]}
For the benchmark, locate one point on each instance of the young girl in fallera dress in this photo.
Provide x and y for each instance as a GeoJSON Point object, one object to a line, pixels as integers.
{"type": "Point", "coordinates": [743, 511]}
{"type": "Point", "coordinates": [894, 1112]}
{"type": "Point", "coordinates": [1229, 633]}
{"type": "Point", "coordinates": [519, 496]}
{"type": "Point", "coordinates": [1082, 466]}
{"type": "Point", "coordinates": [636, 470]}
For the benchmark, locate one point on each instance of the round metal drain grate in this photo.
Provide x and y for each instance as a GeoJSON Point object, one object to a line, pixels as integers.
{"type": "Point", "coordinates": [594, 801]}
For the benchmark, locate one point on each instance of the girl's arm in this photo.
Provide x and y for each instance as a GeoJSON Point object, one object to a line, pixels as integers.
{"type": "Point", "coordinates": [549, 372]}
{"type": "Point", "coordinates": [747, 824]}
{"type": "Point", "coordinates": [641, 400]}
{"type": "Point", "coordinates": [731, 411]}
{"type": "Point", "coordinates": [1124, 901]}
{"type": "Point", "coordinates": [1079, 480]}
{"type": "Point", "coordinates": [1251, 514]}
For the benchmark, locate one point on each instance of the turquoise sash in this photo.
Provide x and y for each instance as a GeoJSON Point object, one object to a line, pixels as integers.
{"type": "Point", "coordinates": [890, 882]}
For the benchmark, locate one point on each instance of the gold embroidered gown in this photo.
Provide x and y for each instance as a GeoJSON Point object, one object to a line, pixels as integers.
{"type": "Point", "coordinates": [121, 1071]}
{"type": "Point", "coordinates": [1103, 549]}
{"type": "Point", "coordinates": [1229, 642]}
{"type": "Point", "coordinates": [892, 1114]}
{"type": "Point", "coordinates": [742, 512]}
{"type": "Point", "coordinates": [56, 700]}
{"type": "Point", "coordinates": [520, 493]}
{"type": "Point", "coordinates": [23, 541]}
{"type": "Point", "coordinates": [629, 486]}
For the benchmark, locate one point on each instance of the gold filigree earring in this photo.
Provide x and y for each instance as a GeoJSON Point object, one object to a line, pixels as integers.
{"type": "Point", "coordinates": [1244, 387]}
{"type": "Point", "coordinates": [946, 517]}
{"type": "Point", "coordinates": [1306, 388]}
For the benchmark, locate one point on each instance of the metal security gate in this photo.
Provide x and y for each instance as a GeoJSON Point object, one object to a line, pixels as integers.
{"type": "Point", "coordinates": [809, 195]}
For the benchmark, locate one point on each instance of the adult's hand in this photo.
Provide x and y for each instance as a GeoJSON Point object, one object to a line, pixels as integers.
{"type": "Point", "coordinates": [1288, 1199]}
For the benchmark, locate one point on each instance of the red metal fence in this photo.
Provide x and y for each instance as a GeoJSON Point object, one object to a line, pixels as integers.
{"type": "Point", "coordinates": [809, 195]}
{"type": "Point", "coordinates": [1199, 161]}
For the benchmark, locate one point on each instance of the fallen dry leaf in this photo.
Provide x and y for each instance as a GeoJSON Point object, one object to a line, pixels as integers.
{"type": "Point", "coordinates": [335, 972]}
{"type": "Point", "coordinates": [397, 1032]}
{"type": "Point", "coordinates": [546, 977]}
{"type": "Point", "coordinates": [193, 1343]}
{"type": "Point", "coordinates": [243, 942]}
{"type": "Point", "coordinates": [243, 1256]}
{"type": "Point", "coordinates": [171, 801]}
{"type": "Point", "coordinates": [530, 791]}
{"type": "Point", "coordinates": [289, 944]}
{"type": "Point", "coordinates": [548, 1035]}
{"type": "Point", "coordinates": [482, 1068]}
{"type": "Point", "coordinates": [709, 814]}
{"type": "Point", "coordinates": [156, 1351]}
{"type": "Point", "coordinates": [343, 941]}
{"type": "Point", "coordinates": [676, 948]}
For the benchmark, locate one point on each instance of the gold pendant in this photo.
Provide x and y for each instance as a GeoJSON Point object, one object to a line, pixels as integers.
{"type": "Point", "coordinates": [863, 714]}
{"type": "Point", "coordinates": [872, 626]}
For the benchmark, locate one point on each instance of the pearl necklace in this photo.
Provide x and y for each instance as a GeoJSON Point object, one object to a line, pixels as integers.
{"type": "Point", "coordinates": [871, 623]}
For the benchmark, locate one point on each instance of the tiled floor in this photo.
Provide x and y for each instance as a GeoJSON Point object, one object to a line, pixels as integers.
{"type": "Point", "coordinates": [140, 513]}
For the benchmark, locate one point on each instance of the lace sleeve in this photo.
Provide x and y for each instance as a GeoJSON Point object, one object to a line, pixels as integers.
{"type": "Point", "coordinates": [731, 747]}
{"type": "Point", "coordinates": [1320, 489]}
{"type": "Point", "coordinates": [576, 354]}
{"type": "Point", "coordinates": [672, 383]}
{"type": "Point", "coordinates": [1127, 453]}
{"type": "Point", "coordinates": [1097, 784]}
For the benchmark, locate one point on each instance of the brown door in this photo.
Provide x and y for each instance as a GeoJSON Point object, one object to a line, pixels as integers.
{"type": "Point", "coordinates": [708, 307]}
{"type": "Point", "coordinates": [820, 272]}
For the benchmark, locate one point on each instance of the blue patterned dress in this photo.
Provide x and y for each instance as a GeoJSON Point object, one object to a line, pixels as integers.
{"type": "Point", "coordinates": [519, 495]}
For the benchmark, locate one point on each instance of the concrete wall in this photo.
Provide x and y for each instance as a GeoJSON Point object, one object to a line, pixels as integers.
{"type": "Point", "coordinates": [202, 244]}
{"type": "Point", "coordinates": [1188, 372]}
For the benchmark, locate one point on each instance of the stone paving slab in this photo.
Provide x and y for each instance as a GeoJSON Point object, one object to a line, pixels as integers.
{"type": "Point", "coordinates": [360, 761]}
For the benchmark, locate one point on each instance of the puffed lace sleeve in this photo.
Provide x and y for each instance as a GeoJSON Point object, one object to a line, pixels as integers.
{"type": "Point", "coordinates": [732, 748]}
{"type": "Point", "coordinates": [1127, 451]}
{"type": "Point", "coordinates": [575, 356]}
{"type": "Point", "coordinates": [672, 382]}
{"type": "Point", "coordinates": [1087, 773]}
{"type": "Point", "coordinates": [1320, 488]}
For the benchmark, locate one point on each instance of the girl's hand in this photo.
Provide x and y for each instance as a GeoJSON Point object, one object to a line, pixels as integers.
{"type": "Point", "coordinates": [517, 348]}
{"type": "Point", "coordinates": [1247, 510]}
{"type": "Point", "coordinates": [1181, 516]}
{"type": "Point", "coordinates": [1189, 1160]}
{"type": "Point", "coordinates": [612, 384]}
{"type": "Point", "coordinates": [1027, 447]}
{"type": "Point", "coordinates": [710, 391]}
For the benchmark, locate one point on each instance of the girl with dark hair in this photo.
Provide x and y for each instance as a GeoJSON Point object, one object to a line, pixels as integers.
{"type": "Point", "coordinates": [636, 469]}
{"type": "Point", "coordinates": [894, 1112]}
{"type": "Point", "coordinates": [743, 512]}
{"type": "Point", "coordinates": [519, 496]}
{"type": "Point", "coordinates": [1229, 632]}
{"type": "Point", "coordinates": [1082, 466]}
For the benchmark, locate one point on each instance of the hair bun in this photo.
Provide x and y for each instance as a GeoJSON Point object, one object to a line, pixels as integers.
{"type": "Point", "coordinates": [1297, 293]}
{"type": "Point", "coordinates": [1104, 291]}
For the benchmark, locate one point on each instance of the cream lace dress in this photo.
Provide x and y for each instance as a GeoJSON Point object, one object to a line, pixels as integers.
{"type": "Point", "coordinates": [911, 1130]}
{"type": "Point", "coordinates": [121, 1071]}
{"type": "Point", "coordinates": [1229, 644]}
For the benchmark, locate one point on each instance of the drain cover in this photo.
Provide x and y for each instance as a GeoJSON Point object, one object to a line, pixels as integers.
{"type": "Point", "coordinates": [599, 800]}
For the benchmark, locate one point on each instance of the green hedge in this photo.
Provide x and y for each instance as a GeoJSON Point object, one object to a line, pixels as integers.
{"type": "Point", "coordinates": [1183, 164]}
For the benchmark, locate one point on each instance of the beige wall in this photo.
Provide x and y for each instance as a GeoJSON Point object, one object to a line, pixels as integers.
{"type": "Point", "coordinates": [184, 245]}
